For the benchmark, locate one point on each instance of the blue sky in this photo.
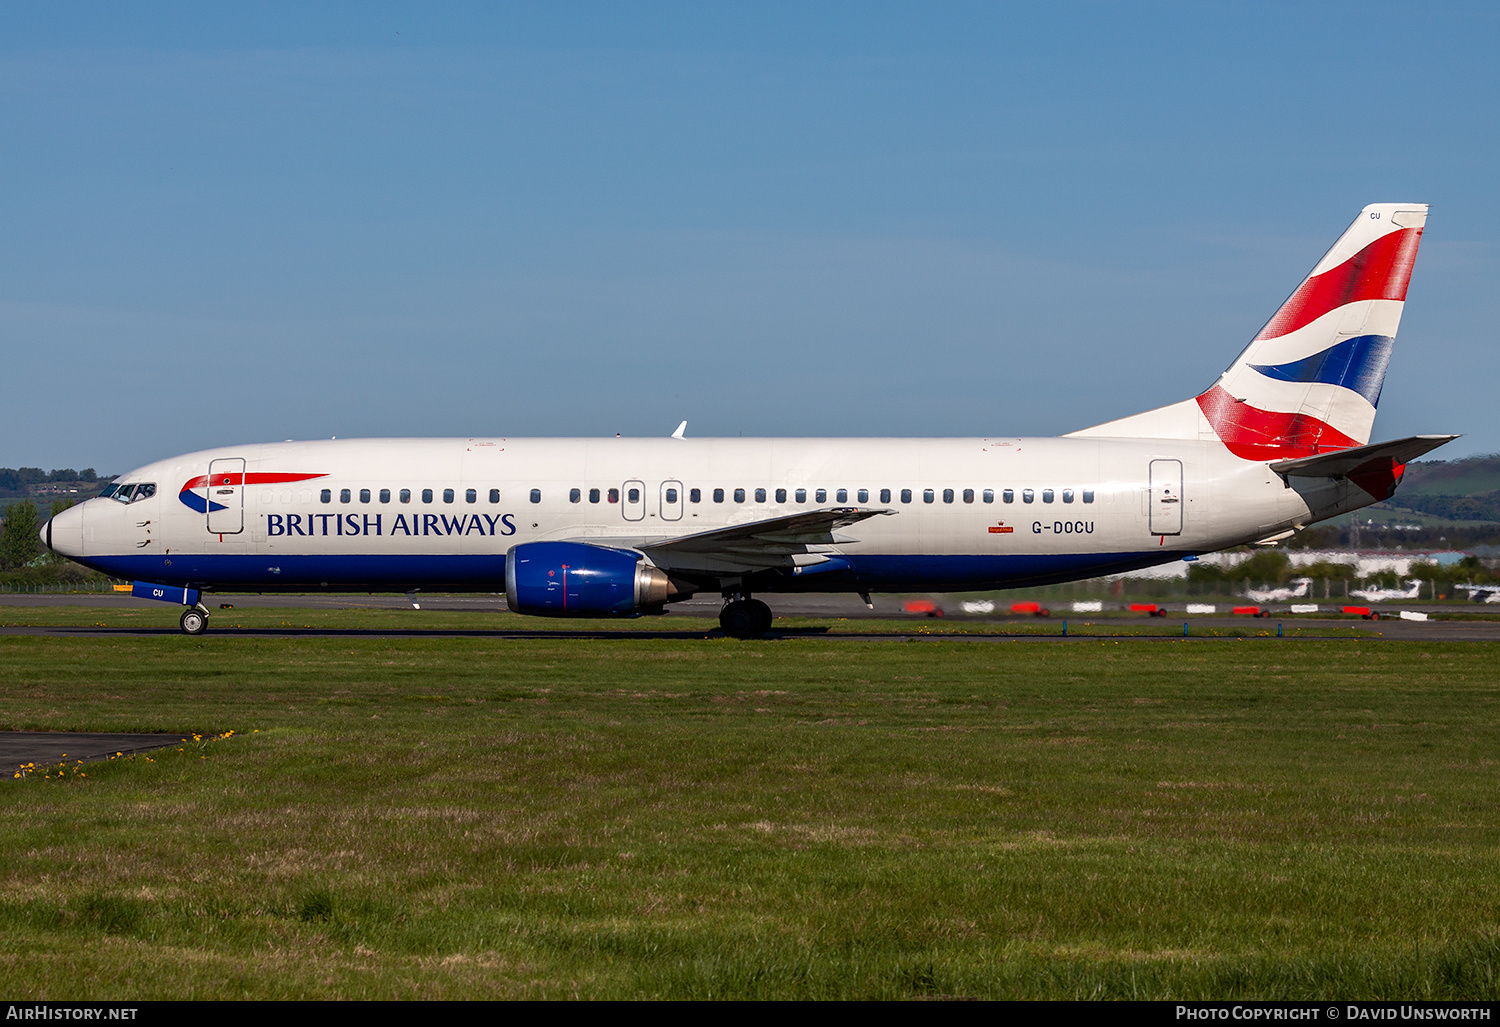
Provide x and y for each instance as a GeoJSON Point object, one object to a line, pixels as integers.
{"type": "Point", "coordinates": [300, 221]}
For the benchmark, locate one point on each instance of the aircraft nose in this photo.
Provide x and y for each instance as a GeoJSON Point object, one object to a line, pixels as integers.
{"type": "Point", "coordinates": [63, 534]}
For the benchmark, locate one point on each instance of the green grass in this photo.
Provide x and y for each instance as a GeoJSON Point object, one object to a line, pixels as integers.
{"type": "Point", "coordinates": [472, 817]}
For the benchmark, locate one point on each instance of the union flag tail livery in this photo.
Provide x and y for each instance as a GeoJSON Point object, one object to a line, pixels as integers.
{"type": "Point", "coordinates": [1310, 380]}
{"type": "Point", "coordinates": [625, 527]}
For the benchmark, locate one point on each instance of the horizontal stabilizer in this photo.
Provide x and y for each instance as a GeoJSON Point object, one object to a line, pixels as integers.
{"type": "Point", "coordinates": [1348, 462]}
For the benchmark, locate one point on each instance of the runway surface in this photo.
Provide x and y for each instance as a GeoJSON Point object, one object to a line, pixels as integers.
{"type": "Point", "coordinates": [697, 619]}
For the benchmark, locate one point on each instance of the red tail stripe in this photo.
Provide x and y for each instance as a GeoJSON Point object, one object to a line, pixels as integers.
{"type": "Point", "coordinates": [1255, 434]}
{"type": "Point", "coordinates": [1380, 271]}
{"type": "Point", "coordinates": [253, 478]}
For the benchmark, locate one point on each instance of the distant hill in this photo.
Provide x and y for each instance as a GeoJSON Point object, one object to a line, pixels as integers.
{"type": "Point", "coordinates": [1457, 490]}
{"type": "Point", "coordinates": [1472, 476]}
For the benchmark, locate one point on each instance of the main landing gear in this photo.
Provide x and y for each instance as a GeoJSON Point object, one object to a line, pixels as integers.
{"type": "Point", "coordinates": [194, 621]}
{"type": "Point", "coordinates": [743, 617]}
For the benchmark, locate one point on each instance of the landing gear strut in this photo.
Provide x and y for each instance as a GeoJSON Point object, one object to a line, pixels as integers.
{"type": "Point", "coordinates": [194, 621]}
{"type": "Point", "coordinates": [745, 618]}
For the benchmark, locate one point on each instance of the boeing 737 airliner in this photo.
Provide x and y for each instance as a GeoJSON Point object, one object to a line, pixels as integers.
{"type": "Point", "coordinates": [622, 527]}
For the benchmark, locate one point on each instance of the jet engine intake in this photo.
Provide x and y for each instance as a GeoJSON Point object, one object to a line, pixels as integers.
{"type": "Point", "coordinates": [575, 579]}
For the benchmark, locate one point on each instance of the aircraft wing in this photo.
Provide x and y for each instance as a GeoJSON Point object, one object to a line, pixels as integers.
{"type": "Point", "coordinates": [743, 547]}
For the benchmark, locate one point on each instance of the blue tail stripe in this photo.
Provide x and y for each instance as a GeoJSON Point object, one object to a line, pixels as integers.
{"type": "Point", "coordinates": [1357, 364]}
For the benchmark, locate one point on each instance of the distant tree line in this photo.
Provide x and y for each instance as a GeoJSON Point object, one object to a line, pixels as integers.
{"type": "Point", "coordinates": [1273, 567]}
{"type": "Point", "coordinates": [1483, 507]}
{"type": "Point", "coordinates": [1383, 536]}
{"type": "Point", "coordinates": [17, 479]}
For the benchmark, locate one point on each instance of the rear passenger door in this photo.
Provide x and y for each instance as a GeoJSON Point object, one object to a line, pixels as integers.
{"type": "Point", "coordinates": [1166, 497]}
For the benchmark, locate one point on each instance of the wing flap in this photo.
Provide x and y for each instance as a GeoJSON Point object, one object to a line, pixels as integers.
{"type": "Point", "coordinates": [766, 543]}
{"type": "Point", "coordinates": [791, 533]}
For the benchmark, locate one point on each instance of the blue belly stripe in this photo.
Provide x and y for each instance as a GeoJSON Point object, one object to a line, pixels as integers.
{"type": "Point", "coordinates": [486, 573]}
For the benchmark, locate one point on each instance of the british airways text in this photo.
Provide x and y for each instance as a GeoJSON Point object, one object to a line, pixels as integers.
{"type": "Point", "coordinates": [367, 524]}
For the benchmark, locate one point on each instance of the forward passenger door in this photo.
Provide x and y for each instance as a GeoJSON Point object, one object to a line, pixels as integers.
{"type": "Point", "coordinates": [226, 496]}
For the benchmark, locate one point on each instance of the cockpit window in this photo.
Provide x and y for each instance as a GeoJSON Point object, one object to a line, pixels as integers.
{"type": "Point", "coordinates": [123, 493]}
{"type": "Point", "coordinates": [144, 491]}
{"type": "Point", "coordinates": [109, 490]}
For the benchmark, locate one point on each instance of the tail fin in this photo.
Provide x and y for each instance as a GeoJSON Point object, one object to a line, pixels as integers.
{"type": "Point", "coordinates": [1310, 380]}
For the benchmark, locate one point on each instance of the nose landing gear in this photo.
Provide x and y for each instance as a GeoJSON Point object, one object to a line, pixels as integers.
{"type": "Point", "coordinates": [743, 617]}
{"type": "Point", "coordinates": [194, 621]}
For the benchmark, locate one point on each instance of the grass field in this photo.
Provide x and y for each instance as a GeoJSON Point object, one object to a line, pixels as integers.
{"type": "Point", "coordinates": [806, 817]}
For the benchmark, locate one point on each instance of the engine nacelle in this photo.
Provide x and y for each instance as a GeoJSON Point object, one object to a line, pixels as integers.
{"type": "Point", "coordinates": [574, 579]}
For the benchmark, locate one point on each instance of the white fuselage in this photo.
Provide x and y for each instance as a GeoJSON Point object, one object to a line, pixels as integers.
{"type": "Point", "coordinates": [401, 514]}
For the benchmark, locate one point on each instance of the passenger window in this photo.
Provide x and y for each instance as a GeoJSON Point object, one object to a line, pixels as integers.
{"type": "Point", "coordinates": [989, 495]}
{"type": "Point", "coordinates": [575, 495]}
{"type": "Point", "coordinates": [1067, 495]}
{"type": "Point", "coordinates": [885, 495]}
{"type": "Point", "coordinates": [718, 495]}
{"type": "Point", "coordinates": [1028, 496]}
{"type": "Point", "coordinates": [928, 496]}
{"type": "Point", "coordinates": [405, 496]}
{"type": "Point", "coordinates": [1009, 495]}
{"type": "Point", "coordinates": [781, 495]}
{"type": "Point", "coordinates": [385, 495]}
{"type": "Point", "coordinates": [906, 495]}
{"type": "Point", "coordinates": [593, 495]}
{"type": "Point", "coordinates": [631, 496]}
{"type": "Point", "coordinates": [739, 495]}
{"type": "Point", "coordinates": [671, 496]}
{"type": "Point", "coordinates": [1088, 495]}
{"type": "Point", "coordinates": [760, 495]}
{"type": "Point", "coordinates": [427, 495]}
{"type": "Point", "coordinates": [494, 495]}
{"type": "Point", "coordinates": [841, 496]}
{"type": "Point", "coordinates": [471, 496]}
{"type": "Point", "coordinates": [364, 495]}
{"type": "Point", "coordinates": [863, 496]}
{"type": "Point", "coordinates": [947, 495]}
{"type": "Point", "coordinates": [820, 496]}
{"type": "Point", "coordinates": [326, 495]}
{"type": "Point", "coordinates": [801, 495]}
{"type": "Point", "coordinates": [695, 495]}
{"type": "Point", "coordinates": [343, 495]}
{"type": "Point", "coordinates": [968, 495]}
{"type": "Point", "coordinates": [613, 495]}
{"type": "Point", "coordinates": [1046, 495]}
{"type": "Point", "coordinates": [536, 495]}
{"type": "Point", "coordinates": [447, 495]}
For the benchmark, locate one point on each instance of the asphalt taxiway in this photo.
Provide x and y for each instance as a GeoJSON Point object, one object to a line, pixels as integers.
{"type": "Point", "coordinates": [41, 749]}
{"type": "Point", "coordinates": [686, 620]}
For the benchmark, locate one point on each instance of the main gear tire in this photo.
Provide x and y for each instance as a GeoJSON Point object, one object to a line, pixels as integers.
{"type": "Point", "coordinates": [743, 618]}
